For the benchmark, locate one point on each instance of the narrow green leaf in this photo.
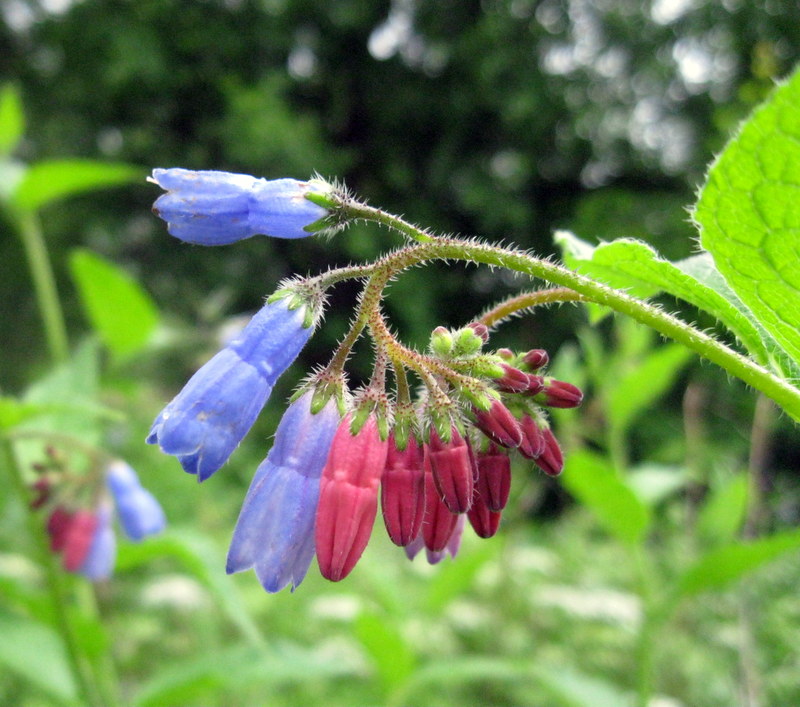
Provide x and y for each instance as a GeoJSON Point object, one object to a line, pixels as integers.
{"type": "Point", "coordinates": [393, 658]}
{"type": "Point", "coordinates": [47, 181]}
{"type": "Point", "coordinates": [34, 652]}
{"type": "Point", "coordinates": [635, 389]}
{"type": "Point", "coordinates": [724, 566]}
{"type": "Point", "coordinates": [121, 312]}
{"type": "Point", "coordinates": [723, 513]}
{"type": "Point", "coordinates": [635, 265]}
{"type": "Point", "coordinates": [592, 480]}
{"type": "Point", "coordinates": [749, 215]}
{"type": "Point", "coordinates": [12, 119]}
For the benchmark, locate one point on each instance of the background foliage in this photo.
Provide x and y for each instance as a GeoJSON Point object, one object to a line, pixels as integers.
{"type": "Point", "coordinates": [507, 119]}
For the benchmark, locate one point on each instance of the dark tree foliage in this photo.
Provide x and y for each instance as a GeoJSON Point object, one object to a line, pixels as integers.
{"type": "Point", "coordinates": [506, 118]}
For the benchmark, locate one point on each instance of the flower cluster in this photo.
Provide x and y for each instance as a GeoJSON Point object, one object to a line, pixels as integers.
{"type": "Point", "coordinates": [80, 510]}
{"type": "Point", "coordinates": [432, 464]}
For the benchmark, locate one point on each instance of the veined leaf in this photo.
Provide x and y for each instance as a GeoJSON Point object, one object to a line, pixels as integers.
{"type": "Point", "coordinates": [749, 215]}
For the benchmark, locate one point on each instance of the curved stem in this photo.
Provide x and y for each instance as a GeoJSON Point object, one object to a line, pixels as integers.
{"type": "Point", "coordinates": [774, 387]}
{"type": "Point", "coordinates": [528, 300]}
{"type": "Point", "coordinates": [44, 285]}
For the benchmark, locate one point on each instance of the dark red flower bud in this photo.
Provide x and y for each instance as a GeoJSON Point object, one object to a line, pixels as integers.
{"type": "Point", "coordinates": [513, 381]}
{"type": "Point", "coordinates": [535, 384]}
{"type": "Point", "coordinates": [551, 460]}
{"type": "Point", "coordinates": [505, 354]}
{"type": "Point", "coordinates": [57, 525]}
{"type": "Point", "coordinates": [438, 522]}
{"type": "Point", "coordinates": [481, 330]}
{"type": "Point", "coordinates": [348, 499]}
{"type": "Point", "coordinates": [533, 441]}
{"type": "Point", "coordinates": [483, 521]}
{"type": "Point", "coordinates": [453, 544]}
{"type": "Point", "coordinates": [494, 478]}
{"type": "Point", "coordinates": [559, 394]}
{"type": "Point", "coordinates": [41, 492]}
{"type": "Point", "coordinates": [536, 359]}
{"type": "Point", "coordinates": [78, 540]}
{"type": "Point", "coordinates": [499, 425]}
{"type": "Point", "coordinates": [403, 491]}
{"type": "Point", "coordinates": [453, 470]}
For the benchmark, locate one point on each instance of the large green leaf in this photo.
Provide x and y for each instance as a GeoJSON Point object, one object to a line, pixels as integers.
{"type": "Point", "coordinates": [723, 513]}
{"type": "Point", "coordinates": [591, 479]}
{"type": "Point", "coordinates": [636, 266]}
{"type": "Point", "coordinates": [34, 652]}
{"type": "Point", "coordinates": [749, 215]}
{"type": "Point", "coordinates": [47, 181]}
{"type": "Point", "coordinates": [393, 658]}
{"type": "Point", "coordinates": [12, 119]}
{"type": "Point", "coordinates": [724, 566]}
{"type": "Point", "coordinates": [121, 312]}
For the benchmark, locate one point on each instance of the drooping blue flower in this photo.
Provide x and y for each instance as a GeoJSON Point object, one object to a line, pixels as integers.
{"type": "Point", "coordinates": [217, 208]}
{"type": "Point", "coordinates": [206, 421]}
{"type": "Point", "coordinates": [99, 562]}
{"type": "Point", "coordinates": [275, 531]}
{"type": "Point", "coordinates": [140, 514]}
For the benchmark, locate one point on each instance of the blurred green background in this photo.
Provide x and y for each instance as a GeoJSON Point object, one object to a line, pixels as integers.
{"type": "Point", "coordinates": [505, 119]}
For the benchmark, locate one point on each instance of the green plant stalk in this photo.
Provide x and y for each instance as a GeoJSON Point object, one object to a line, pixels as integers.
{"type": "Point", "coordinates": [774, 387]}
{"type": "Point", "coordinates": [44, 284]}
{"type": "Point", "coordinates": [58, 595]}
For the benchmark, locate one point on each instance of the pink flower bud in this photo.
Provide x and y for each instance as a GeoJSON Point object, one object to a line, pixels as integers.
{"type": "Point", "coordinates": [559, 394]}
{"type": "Point", "coordinates": [536, 359]}
{"type": "Point", "coordinates": [438, 522]}
{"type": "Point", "coordinates": [57, 526]}
{"type": "Point", "coordinates": [403, 491]}
{"type": "Point", "coordinates": [348, 498]}
{"type": "Point", "coordinates": [499, 425]}
{"type": "Point", "coordinates": [533, 441]}
{"type": "Point", "coordinates": [494, 478]}
{"type": "Point", "coordinates": [513, 381]}
{"type": "Point", "coordinates": [453, 470]}
{"type": "Point", "coordinates": [551, 460]}
{"type": "Point", "coordinates": [484, 522]}
{"type": "Point", "coordinates": [452, 546]}
{"type": "Point", "coordinates": [78, 539]}
{"type": "Point", "coordinates": [481, 330]}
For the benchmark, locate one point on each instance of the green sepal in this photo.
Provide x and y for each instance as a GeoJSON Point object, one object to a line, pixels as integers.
{"type": "Point", "coordinates": [441, 343]}
{"type": "Point", "coordinates": [466, 342]}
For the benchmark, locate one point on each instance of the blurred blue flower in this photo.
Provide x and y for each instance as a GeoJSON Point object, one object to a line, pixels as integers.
{"type": "Point", "coordinates": [102, 554]}
{"type": "Point", "coordinates": [206, 421]}
{"type": "Point", "coordinates": [275, 531]}
{"type": "Point", "coordinates": [217, 208]}
{"type": "Point", "coordinates": [140, 514]}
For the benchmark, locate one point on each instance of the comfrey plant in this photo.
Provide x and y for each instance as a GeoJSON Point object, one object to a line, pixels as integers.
{"type": "Point", "coordinates": [437, 457]}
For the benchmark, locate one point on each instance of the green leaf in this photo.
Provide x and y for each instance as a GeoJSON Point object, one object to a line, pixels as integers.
{"type": "Point", "coordinates": [391, 654]}
{"type": "Point", "coordinates": [13, 411]}
{"type": "Point", "coordinates": [592, 480]}
{"type": "Point", "coordinates": [654, 483]}
{"type": "Point", "coordinates": [723, 513]}
{"type": "Point", "coordinates": [47, 181]}
{"type": "Point", "coordinates": [749, 215]}
{"type": "Point", "coordinates": [121, 312]}
{"type": "Point", "coordinates": [635, 389]}
{"type": "Point", "coordinates": [724, 566]}
{"type": "Point", "coordinates": [34, 652]}
{"type": "Point", "coordinates": [636, 266]}
{"type": "Point", "coordinates": [12, 119]}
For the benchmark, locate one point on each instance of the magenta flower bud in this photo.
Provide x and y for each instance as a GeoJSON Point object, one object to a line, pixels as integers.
{"type": "Point", "coordinates": [403, 491]}
{"type": "Point", "coordinates": [348, 500]}
{"type": "Point", "coordinates": [513, 381]}
{"type": "Point", "coordinates": [452, 546]}
{"type": "Point", "coordinates": [484, 521]}
{"type": "Point", "coordinates": [494, 478]}
{"type": "Point", "coordinates": [551, 460]}
{"type": "Point", "coordinates": [536, 359]}
{"type": "Point", "coordinates": [438, 521]}
{"type": "Point", "coordinates": [58, 523]}
{"type": "Point", "coordinates": [481, 330]}
{"type": "Point", "coordinates": [218, 208]}
{"type": "Point", "coordinates": [533, 441]}
{"type": "Point", "coordinates": [78, 540]}
{"type": "Point", "coordinates": [499, 425]}
{"type": "Point", "coordinates": [453, 470]}
{"type": "Point", "coordinates": [559, 394]}
{"type": "Point", "coordinates": [535, 385]}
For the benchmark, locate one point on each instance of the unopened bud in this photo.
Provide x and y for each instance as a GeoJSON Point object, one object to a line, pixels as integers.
{"type": "Point", "coordinates": [467, 342]}
{"type": "Point", "coordinates": [560, 394]}
{"type": "Point", "coordinates": [481, 330]}
{"type": "Point", "coordinates": [441, 343]}
{"type": "Point", "coordinates": [536, 359]}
